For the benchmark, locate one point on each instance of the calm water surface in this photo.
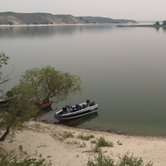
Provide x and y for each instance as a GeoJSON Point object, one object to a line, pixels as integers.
{"type": "Point", "coordinates": [122, 69]}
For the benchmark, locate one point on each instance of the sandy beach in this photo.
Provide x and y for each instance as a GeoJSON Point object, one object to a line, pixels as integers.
{"type": "Point", "coordinates": [49, 140]}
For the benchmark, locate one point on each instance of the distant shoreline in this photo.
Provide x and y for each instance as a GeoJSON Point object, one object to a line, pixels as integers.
{"type": "Point", "coordinates": [153, 26]}
{"type": "Point", "coordinates": [51, 25]}
{"type": "Point", "coordinates": [31, 25]}
{"type": "Point", "coordinates": [42, 25]}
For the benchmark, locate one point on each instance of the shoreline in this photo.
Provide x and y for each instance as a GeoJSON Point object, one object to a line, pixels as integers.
{"type": "Point", "coordinates": [143, 25]}
{"type": "Point", "coordinates": [47, 139]}
{"type": "Point", "coordinates": [102, 130]}
{"type": "Point", "coordinates": [38, 25]}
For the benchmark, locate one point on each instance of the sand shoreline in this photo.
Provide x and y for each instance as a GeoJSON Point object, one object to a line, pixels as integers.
{"type": "Point", "coordinates": [47, 140]}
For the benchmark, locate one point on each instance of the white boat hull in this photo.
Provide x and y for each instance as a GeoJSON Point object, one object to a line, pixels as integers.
{"type": "Point", "coordinates": [76, 114]}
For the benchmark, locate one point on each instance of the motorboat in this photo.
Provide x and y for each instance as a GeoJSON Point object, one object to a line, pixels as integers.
{"type": "Point", "coordinates": [76, 111]}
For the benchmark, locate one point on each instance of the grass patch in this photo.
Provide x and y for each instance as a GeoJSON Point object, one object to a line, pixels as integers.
{"type": "Point", "coordinates": [96, 149]}
{"type": "Point", "coordinates": [101, 160]}
{"type": "Point", "coordinates": [93, 142]}
{"type": "Point", "coordinates": [72, 142]}
{"type": "Point", "coordinates": [66, 135]}
{"type": "Point", "coordinates": [126, 160]}
{"type": "Point", "coordinates": [62, 136]}
{"type": "Point", "coordinates": [101, 142]}
{"type": "Point", "coordinates": [88, 137]}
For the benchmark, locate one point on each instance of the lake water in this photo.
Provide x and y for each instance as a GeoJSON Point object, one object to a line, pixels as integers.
{"type": "Point", "coordinates": [122, 69]}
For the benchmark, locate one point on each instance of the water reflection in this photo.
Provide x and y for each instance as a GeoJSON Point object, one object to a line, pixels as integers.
{"type": "Point", "coordinates": [157, 29]}
{"type": "Point", "coordinates": [164, 29]}
{"type": "Point", "coordinates": [78, 121]}
{"type": "Point", "coordinates": [32, 32]}
{"type": "Point", "coordinates": [47, 31]}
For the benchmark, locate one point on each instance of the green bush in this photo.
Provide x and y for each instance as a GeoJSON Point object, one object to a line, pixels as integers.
{"type": "Point", "coordinates": [101, 142]}
{"type": "Point", "coordinates": [101, 160]}
{"type": "Point", "coordinates": [88, 137]}
{"type": "Point", "coordinates": [126, 160]}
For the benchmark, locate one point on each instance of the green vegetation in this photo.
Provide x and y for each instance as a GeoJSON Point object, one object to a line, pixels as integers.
{"type": "Point", "coordinates": [88, 137]}
{"type": "Point", "coordinates": [101, 142]}
{"type": "Point", "coordinates": [93, 141]}
{"type": "Point", "coordinates": [101, 160]}
{"type": "Point", "coordinates": [47, 82]}
{"type": "Point", "coordinates": [103, 20]}
{"type": "Point", "coordinates": [126, 160]}
{"type": "Point", "coordinates": [63, 135]}
{"type": "Point", "coordinates": [22, 159]}
{"type": "Point", "coordinates": [66, 135]}
{"type": "Point", "coordinates": [156, 25]}
{"type": "Point", "coordinates": [164, 23]}
{"type": "Point", "coordinates": [3, 60]}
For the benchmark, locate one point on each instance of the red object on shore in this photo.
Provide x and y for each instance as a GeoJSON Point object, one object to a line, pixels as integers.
{"type": "Point", "coordinates": [42, 105]}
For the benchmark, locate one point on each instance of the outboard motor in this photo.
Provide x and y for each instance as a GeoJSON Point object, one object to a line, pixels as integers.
{"type": "Point", "coordinates": [92, 103]}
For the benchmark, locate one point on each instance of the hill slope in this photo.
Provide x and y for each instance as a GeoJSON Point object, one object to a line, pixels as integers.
{"type": "Point", "coordinates": [105, 20]}
{"type": "Point", "coordinates": [11, 18]}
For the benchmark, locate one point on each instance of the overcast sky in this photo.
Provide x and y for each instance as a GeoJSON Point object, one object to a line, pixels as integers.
{"type": "Point", "coordinates": [116, 9]}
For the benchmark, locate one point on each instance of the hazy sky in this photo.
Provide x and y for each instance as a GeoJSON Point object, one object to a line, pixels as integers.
{"type": "Point", "coordinates": [116, 9]}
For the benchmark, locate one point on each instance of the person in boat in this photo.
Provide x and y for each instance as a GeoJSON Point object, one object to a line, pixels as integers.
{"type": "Point", "coordinates": [69, 108]}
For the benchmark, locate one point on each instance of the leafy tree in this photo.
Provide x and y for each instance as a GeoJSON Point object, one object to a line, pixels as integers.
{"type": "Point", "coordinates": [17, 112]}
{"type": "Point", "coordinates": [35, 85]}
{"type": "Point", "coordinates": [46, 83]}
{"type": "Point", "coordinates": [164, 22]}
{"type": "Point", "coordinates": [3, 61]}
{"type": "Point", "coordinates": [20, 110]}
{"type": "Point", "coordinates": [157, 23]}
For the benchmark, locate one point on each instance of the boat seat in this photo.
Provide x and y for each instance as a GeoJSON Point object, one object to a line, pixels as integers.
{"type": "Point", "coordinates": [92, 103]}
